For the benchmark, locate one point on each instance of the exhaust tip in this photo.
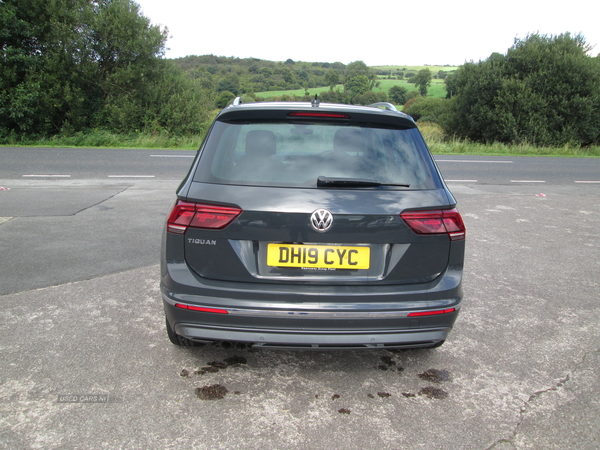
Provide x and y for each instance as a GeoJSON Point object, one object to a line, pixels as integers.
{"type": "Point", "coordinates": [231, 344]}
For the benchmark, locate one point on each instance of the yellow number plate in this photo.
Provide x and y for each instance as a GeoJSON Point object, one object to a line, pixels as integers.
{"type": "Point", "coordinates": [320, 256]}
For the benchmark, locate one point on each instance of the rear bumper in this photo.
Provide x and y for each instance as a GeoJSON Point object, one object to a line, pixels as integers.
{"type": "Point", "coordinates": [312, 340]}
{"type": "Point", "coordinates": [272, 317]}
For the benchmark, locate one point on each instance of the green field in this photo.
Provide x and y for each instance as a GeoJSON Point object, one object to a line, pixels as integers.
{"type": "Point", "coordinates": [297, 92]}
{"type": "Point", "coordinates": [437, 88]}
{"type": "Point", "coordinates": [394, 69]}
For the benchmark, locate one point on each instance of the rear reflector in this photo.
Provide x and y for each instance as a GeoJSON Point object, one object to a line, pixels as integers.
{"type": "Point", "coordinates": [431, 313]}
{"type": "Point", "coordinates": [436, 222]}
{"type": "Point", "coordinates": [319, 115]}
{"type": "Point", "coordinates": [197, 215]}
{"type": "Point", "coordinates": [201, 308]}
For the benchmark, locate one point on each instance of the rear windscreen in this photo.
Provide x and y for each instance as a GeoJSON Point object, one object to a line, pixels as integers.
{"type": "Point", "coordinates": [295, 155]}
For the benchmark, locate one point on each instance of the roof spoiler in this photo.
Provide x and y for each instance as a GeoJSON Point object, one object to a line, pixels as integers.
{"type": "Point", "coordinates": [383, 105]}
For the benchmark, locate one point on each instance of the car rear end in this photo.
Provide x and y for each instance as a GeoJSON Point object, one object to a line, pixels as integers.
{"type": "Point", "coordinates": [312, 227]}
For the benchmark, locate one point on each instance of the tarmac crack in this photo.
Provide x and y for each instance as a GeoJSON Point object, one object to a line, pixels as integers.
{"type": "Point", "coordinates": [528, 404]}
{"type": "Point", "coordinates": [100, 202]}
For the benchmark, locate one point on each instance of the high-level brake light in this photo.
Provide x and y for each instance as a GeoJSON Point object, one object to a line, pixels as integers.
{"type": "Point", "coordinates": [319, 115]}
{"type": "Point", "coordinates": [198, 215]}
{"type": "Point", "coordinates": [436, 222]}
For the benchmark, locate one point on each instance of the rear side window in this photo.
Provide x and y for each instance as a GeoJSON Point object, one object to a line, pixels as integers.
{"type": "Point", "coordinates": [295, 155]}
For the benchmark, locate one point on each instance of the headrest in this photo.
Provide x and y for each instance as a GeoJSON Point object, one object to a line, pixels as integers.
{"type": "Point", "coordinates": [348, 140]}
{"type": "Point", "coordinates": [260, 143]}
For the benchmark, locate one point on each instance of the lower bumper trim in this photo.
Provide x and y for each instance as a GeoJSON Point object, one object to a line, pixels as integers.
{"type": "Point", "coordinates": [302, 339]}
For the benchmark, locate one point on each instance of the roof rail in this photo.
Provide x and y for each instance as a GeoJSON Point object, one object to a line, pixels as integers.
{"type": "Point", "coordinates": [237, 101]}
{"type": "Point", "coordinates": [384, 105]}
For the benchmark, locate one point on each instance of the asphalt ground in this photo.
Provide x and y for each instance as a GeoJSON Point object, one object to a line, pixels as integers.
{"type": "Point", "coordinates": [87, 364]}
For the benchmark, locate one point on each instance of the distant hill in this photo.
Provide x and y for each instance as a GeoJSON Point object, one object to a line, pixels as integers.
{"type": "Point", "coordinates": [253, 75]}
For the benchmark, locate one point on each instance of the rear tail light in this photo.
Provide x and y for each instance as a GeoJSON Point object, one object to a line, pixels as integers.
{"type": "Point", "coordinates": [436, 222]}
{"type": "Point", "coordinates": [198, 215]}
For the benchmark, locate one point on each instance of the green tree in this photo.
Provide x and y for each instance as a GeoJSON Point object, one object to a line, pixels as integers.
{"type": "Point", "coordinates": [357, 68]}
{"type": "Point", "coordinates": [43, 75]}
{"type": "Point", "coordinates": [224, 99]}
{"type": "Point", "coordinates": [397, 94]}
{"type": "Point", "coordinates": [370, 97]}
{"type": "Point", "coordinates": [130, 71]}
{"type": "Point", "coordinates": [450, 82]}
{"type": "Point", "coordinates": [332, 77]}
{"type": "Point", "coordinates": [422, 80]}
{"type": "Point", "coordinates": [332, 97]}
{"type": "Point", "coordinates": [230, 83]}
{"type": "Point", "coordinates": [428, 109]}
{"type": "Point", "coordinates": [357, 85]}
{"type": "Point", "coordinates": [544, 91]}
{"type": "Point", "coordinates": [69, 65]}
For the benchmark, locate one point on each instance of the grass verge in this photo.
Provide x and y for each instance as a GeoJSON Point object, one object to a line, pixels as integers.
{"type": "Point", "coordinates": [440, 144]}
{"type": "Point", "coordinates": [106, 139]}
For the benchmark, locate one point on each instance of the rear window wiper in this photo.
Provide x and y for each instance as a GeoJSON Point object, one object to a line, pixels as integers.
{"type": "Point", "coordinates": [352, 182]}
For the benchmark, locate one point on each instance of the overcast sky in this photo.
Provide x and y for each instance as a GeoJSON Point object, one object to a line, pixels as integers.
{"type": "Point", "coordinates": [380, 32]}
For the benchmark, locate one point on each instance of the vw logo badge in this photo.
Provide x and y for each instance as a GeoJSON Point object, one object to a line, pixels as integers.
{"type": "Point", "coordinates": [321, 220]}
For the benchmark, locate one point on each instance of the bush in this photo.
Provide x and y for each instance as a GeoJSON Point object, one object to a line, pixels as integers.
{"type": "Point", "coordinates": [397, 95]}
{"type": "Point", "coordinates": [224, 99]}
{"type": "Point", "coordinates": [369, 98]}
{"type": "Point", "coordinates": [545, 91]}
{"type": "Point", "coordinates": [428, 109]}
{"type": "Point", "coordinates": [332, 97]}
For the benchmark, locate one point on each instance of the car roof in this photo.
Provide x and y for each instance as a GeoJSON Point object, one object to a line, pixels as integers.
{"type": "Point", "coordinates": [373, 113]}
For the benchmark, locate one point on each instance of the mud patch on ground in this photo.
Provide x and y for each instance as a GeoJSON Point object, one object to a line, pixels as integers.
{"type": "Point", "coordinates": [433, 392]}
{"type": "Point", "coordinates": [212, 392]}
{"type": "Point", "coordinates": [218, 364]}
{"type": "Point", "coordinates": [206, 369]}
{"type": "Point", "coordinates": [435, 376]}
{"type": "Point", "coordinates": [384, 394]}
{"type": "Point", "coordinates": [387, 361]}
{"type": "Point", "coordinates": [344, 411]}
{"type": "Point", "coordinates": [233, 361]}
{"type": "Point", "coordinates": [215, 366]}
{"type": "Point", "coordinates": [409, 394]}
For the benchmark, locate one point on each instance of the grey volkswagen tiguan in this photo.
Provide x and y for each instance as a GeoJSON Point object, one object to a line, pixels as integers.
{"type": "Point", "coordinates": [312, 226]}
